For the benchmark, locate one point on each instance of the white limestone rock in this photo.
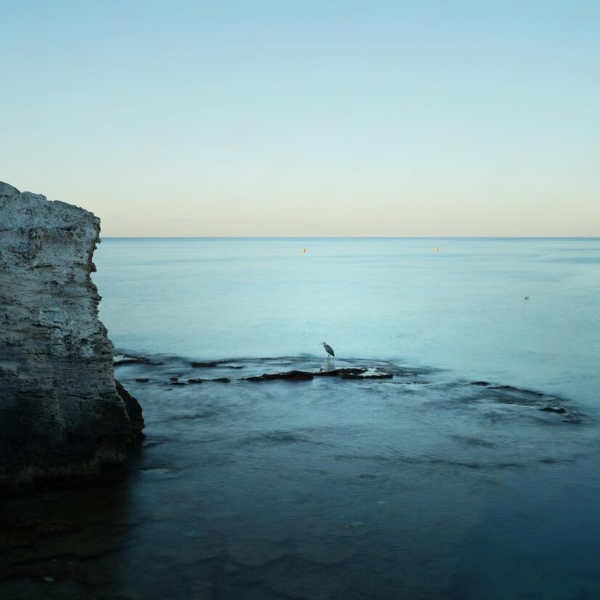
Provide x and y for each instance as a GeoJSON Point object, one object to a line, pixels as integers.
{"type": "Point", "coordinates": [60, 411]}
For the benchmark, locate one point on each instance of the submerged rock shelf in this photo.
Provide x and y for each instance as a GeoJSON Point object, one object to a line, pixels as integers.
{"type": "Point", "coordinates": [358, 373]}
{"type": "Point", "coordinates": [343, 373]}
{"type": "Point", "coordinates": [174, 371]}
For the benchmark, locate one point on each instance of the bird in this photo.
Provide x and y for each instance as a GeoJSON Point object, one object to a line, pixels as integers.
{"type": "Point", "coordinates": [328, 348]}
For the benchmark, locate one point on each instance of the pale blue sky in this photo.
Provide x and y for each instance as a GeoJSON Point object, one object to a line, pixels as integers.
{"type": "Point", "coordinates": [307, 118]}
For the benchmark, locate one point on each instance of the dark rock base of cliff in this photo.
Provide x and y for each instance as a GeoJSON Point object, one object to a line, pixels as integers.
{"type": "Point", "coordinates": [73, 457]}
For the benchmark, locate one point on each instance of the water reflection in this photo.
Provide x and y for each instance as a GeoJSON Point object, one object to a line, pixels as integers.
{"type": "Point", "coordinates": [64, 543]}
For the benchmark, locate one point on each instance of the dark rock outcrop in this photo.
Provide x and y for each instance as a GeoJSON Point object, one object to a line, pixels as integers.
{"type": "Point", "coordinates": [342, 373]}
{"type": "Point", "coordinates": [61, 412]}
{"type": "Point", "coordinates": [287, 375]}
{"type": "Point", "coordinates": [355, 373]}
{"type": "Point", "coordinates": [561, 410]}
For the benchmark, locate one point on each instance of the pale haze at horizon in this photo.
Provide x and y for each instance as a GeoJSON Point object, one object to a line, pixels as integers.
{"type": "Point", "coordinates": [342, 118]}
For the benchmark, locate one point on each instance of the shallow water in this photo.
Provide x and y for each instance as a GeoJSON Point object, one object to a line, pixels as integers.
{"type": "Point", "coordinates": [419, 486]}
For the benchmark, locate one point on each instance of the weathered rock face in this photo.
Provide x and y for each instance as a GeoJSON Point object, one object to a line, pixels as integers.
{"type": "Point", "coordinates": [60, 411]}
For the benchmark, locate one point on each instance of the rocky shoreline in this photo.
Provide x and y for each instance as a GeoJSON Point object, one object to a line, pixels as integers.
{"type": "Point", "coordinates": [62, 414]}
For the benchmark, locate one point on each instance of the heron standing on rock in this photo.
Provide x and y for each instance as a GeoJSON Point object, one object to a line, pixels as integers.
{"type": "Point", "coordinates": [328, 348]}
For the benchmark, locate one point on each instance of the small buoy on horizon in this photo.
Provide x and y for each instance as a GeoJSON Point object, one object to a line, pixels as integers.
{"type": "Point", "coordinates": [437, 249]}
{"type": "Point", "coordinates": [303, 250]}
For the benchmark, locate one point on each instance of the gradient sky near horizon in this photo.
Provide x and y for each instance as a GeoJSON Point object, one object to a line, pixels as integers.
{"type": "Point", "coordinates": [328, 118]}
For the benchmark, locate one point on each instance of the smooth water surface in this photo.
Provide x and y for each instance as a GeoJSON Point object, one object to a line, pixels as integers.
{"type": "Point", "coordinates": [472, 473]}
{"type": "Point", "coordinates": [461, 308]}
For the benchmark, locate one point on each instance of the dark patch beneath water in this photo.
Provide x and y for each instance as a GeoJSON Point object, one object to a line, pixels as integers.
{"type": "Point", "coordinates": [277, 437]}
{"type": "Point", "coordinates": [472, 441]}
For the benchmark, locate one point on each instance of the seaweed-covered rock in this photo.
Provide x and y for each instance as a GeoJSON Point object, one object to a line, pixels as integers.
{"type": "Point", "coordinates": [287, 375]}
{"type": "Point", "coordinates": [341, 371]}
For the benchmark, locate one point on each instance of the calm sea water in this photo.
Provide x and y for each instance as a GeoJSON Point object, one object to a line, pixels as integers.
{"type": "Point", "coordinates": [430, 485]}
{"type": "Point", "coordinates": [461, 308]}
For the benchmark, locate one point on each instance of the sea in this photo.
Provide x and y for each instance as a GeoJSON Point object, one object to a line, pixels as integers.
{"type": "Point", "coordinates": [461, 461]}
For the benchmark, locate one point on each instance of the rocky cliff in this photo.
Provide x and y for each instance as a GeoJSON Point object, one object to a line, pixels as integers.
{"type": "Point", "coordinates": [61, 412]}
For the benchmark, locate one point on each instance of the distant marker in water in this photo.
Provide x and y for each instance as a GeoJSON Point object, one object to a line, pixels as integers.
{"type": "Point", "coordinates": [303, 250]}
{"type": "Point", "coordinates": [437, 249]}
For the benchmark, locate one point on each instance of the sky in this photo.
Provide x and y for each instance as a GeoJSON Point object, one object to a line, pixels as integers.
{"type": "Point", "coordinates": [307, 118]}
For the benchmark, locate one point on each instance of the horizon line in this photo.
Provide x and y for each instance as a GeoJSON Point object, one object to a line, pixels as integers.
{"type": "Point", "coordinates": [350, 237]}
